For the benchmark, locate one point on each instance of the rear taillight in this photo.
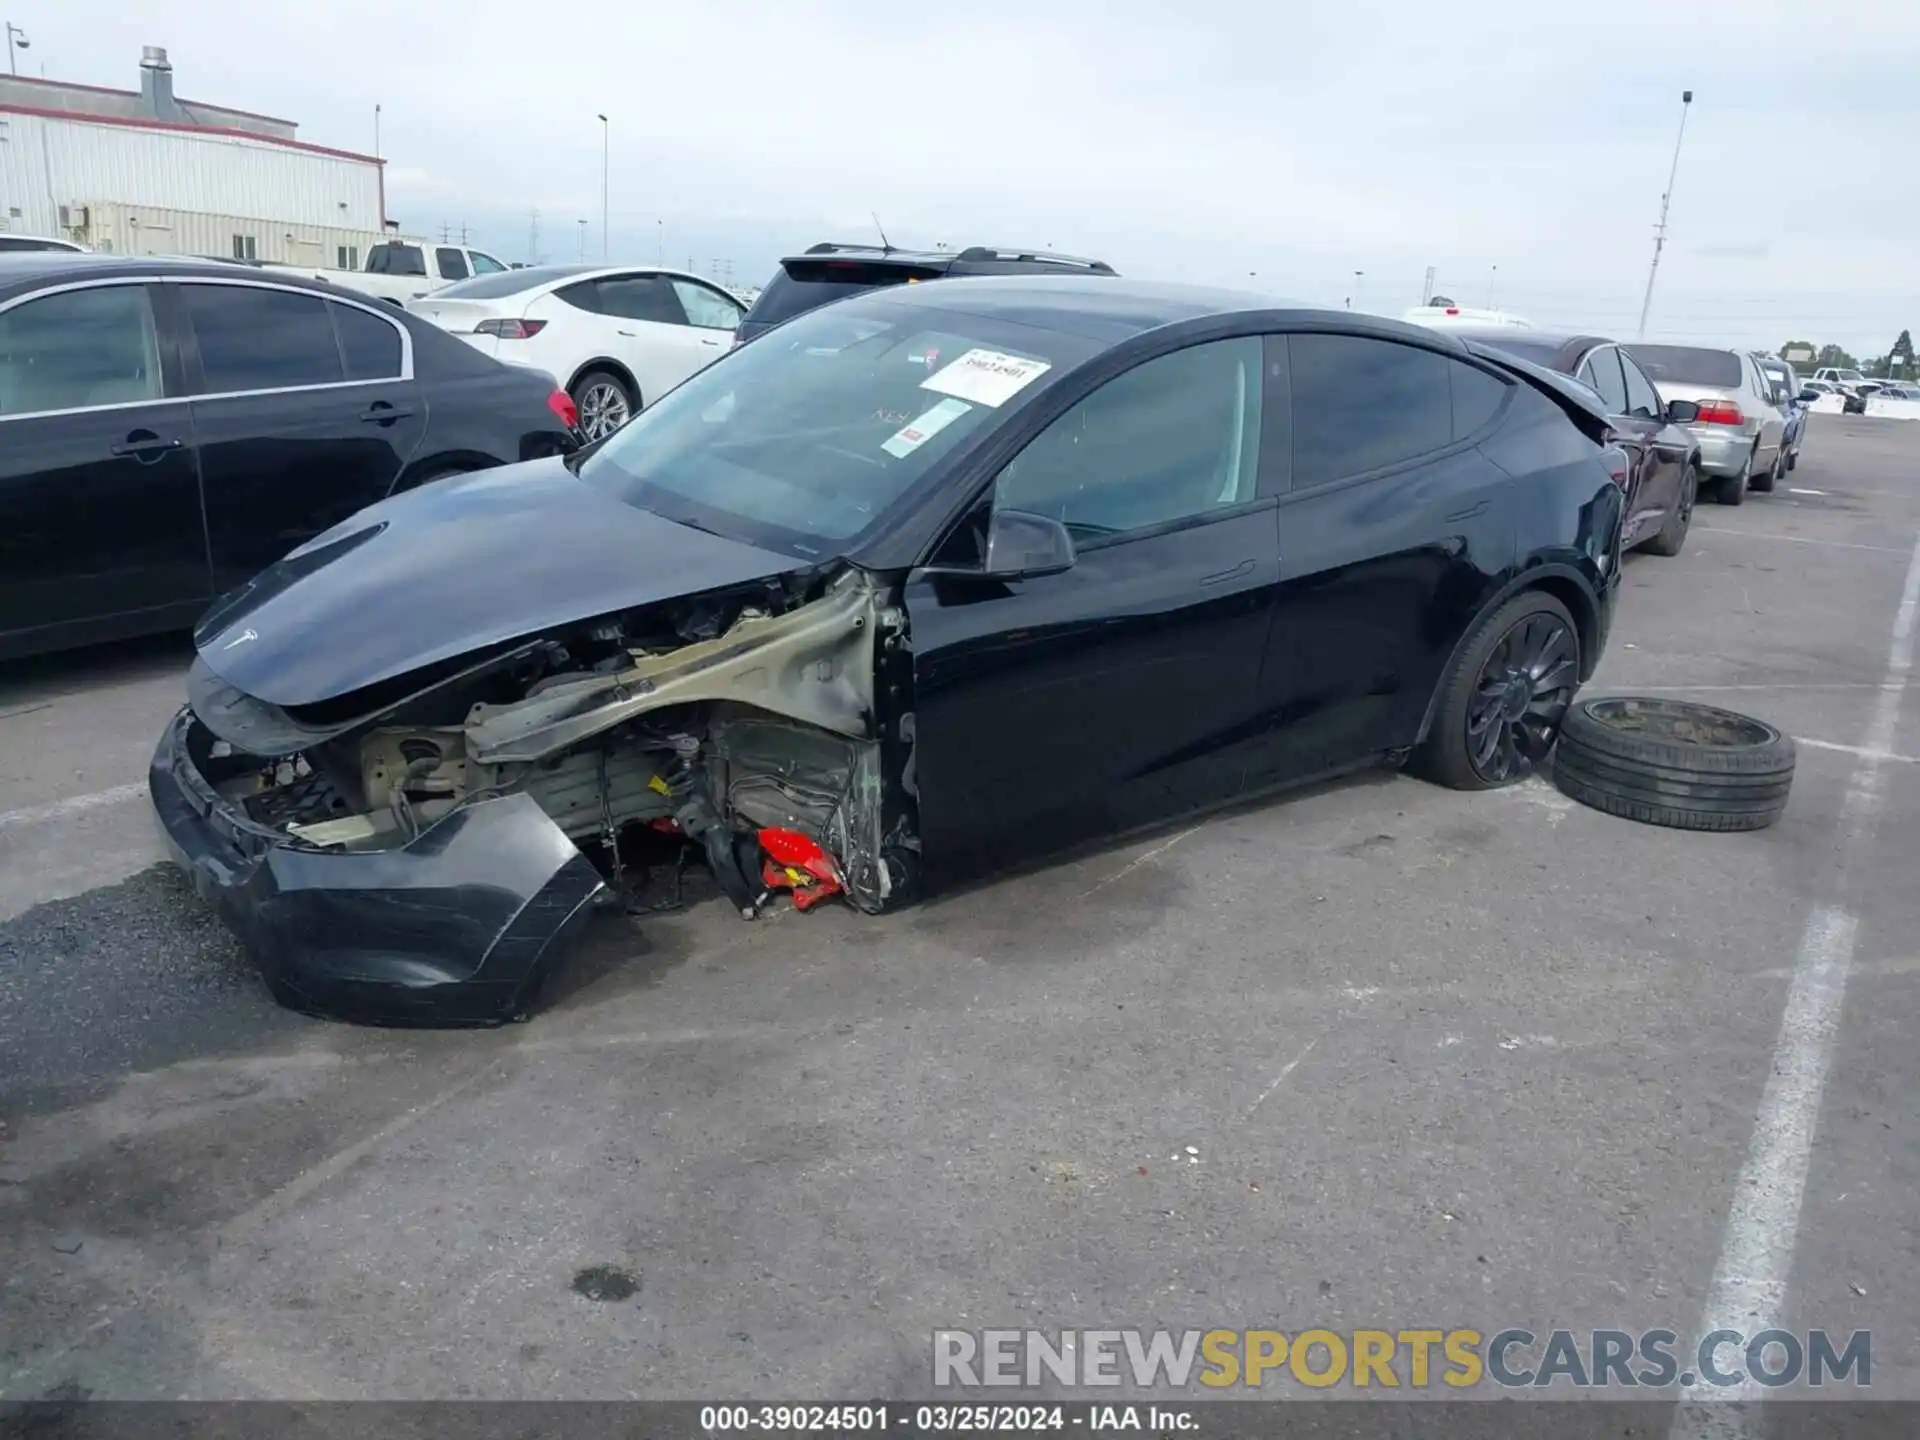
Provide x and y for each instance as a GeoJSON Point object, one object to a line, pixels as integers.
{"type": "Point", "coordinates": [510, 329]}
{"type": "Point", "coordinates": [1720, 412]}
{"type": "Point", "coordinates": [564, 409]}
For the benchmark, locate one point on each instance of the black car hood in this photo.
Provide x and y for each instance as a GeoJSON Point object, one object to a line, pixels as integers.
{"type": "Point", "coordinates": [452, 568]}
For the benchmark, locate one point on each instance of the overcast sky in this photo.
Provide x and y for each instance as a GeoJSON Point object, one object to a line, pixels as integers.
{"type": "Point", "coordinates": [1282, 146]}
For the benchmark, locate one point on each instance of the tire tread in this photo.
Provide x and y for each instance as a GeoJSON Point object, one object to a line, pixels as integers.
{"type": "Point", "coordinates": [1662, 782]}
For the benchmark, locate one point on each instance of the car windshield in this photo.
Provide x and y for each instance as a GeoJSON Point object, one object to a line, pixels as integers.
{"type": "Point", "coordinates": [1719, 369]}
{"type": "Point", "coordinates": [802, 440]}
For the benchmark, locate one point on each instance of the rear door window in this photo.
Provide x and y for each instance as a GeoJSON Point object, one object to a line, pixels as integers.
{"type": "Point", "coordinates": [639, 297]}
{"type": "Point", "coordinates": [369, 346]}
{"type": "Point", "coordinates": [452, 263]}
{"type": "Point", "coordinates": [1642, 399]}
{"type": "Point", "coordinates": [1477, 397]}
{"type": "Point", "coordinates": [1361, 404]}
{"type": "Point", "coordinates": [1601, 370]}
{"type": "Point", "coordinates": [255, 339]}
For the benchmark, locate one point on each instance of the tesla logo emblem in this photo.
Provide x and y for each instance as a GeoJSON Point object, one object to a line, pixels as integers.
{"type": "Point", "coordinates": [242, 638]}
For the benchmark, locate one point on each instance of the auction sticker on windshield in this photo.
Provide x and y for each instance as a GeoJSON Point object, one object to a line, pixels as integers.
{"type": "Point", "coordinates": [986, 377]}
{"type": "Point", "coordinates": [910, 437]}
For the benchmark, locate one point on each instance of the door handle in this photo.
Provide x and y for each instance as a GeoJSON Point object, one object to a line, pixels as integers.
{"type": "Point", "coordinates": [627, 333]}
{"type": "Point", "coordinates": [1221, 577]}
{"type": "Point", "coordinates": [1468, 513]}
{"type": "Point", "coordinates": [705, 341]}
{"type": "Point", "coordinates": [144, 446]}
{"type": "Point", "coordinates": [381, 413]}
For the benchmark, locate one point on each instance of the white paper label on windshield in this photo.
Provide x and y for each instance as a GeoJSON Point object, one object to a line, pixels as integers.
{"type": "Point", "coordinates": [986, 377]}
{"type": "Point", "coordinates": [911, 436]}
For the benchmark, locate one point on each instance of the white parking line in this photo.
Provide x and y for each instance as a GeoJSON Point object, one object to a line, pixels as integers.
{"type": "Point", "coordinates": [73, 805]}
{"type": "Point", "coordinates": [1798, 539]}
{"type": "Point", "coordinates": [1859, 750]}
{"type": "Point", "coordinates": [1763, 1218]}
{"type": "Point", "coordinates": [1625, 688]}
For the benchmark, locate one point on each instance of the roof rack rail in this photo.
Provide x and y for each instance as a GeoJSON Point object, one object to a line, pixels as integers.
{"type": "Point", "coordinates": [1001, 252]}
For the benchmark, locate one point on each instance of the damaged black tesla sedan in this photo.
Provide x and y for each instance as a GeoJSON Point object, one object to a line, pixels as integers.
{"type": "Point", "coordinates": [928, 581]}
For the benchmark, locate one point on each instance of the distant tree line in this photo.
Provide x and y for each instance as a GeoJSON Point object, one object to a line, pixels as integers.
{"type": "Point", "coordinates": [1879, 367]}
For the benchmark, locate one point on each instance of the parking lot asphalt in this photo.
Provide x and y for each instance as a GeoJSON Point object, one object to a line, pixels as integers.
{"type": "Point", "coordinates": [1375, 1054]}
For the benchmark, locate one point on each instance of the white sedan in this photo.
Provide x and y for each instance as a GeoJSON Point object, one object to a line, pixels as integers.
{"type": "Point", "coordinates": [614, 338]}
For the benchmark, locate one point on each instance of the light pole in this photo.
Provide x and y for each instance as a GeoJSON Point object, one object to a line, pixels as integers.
{"type": "Point", "coordinates": [1493, 274]}
{"type": "Point", "coordinates": [376, 130]}
{"type": "Point", "coordinates": [605, 142]}
{"type": "Point", "coordinates": [583, 242]}
{"type": "Point", "coordinates": [660, 245]}
{"type": "Point", "coordinates": [16, 40]}
{"type": "Point", "coordinates": [1356, 288]}
{"type": "Point", "coordinates": [1660, 232]}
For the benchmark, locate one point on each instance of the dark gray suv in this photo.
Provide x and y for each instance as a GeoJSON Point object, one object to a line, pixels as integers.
{"type": "Point", "coordinates": [829, 272]}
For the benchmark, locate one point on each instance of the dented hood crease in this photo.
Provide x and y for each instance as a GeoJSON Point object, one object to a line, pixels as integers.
{"type": "Point", "coordinates": [454, 567]}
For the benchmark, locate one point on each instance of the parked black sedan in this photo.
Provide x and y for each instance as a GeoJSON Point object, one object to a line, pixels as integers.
{"type": "Point", "coordinates": [168, 428]}
{"type": "Point", "coordinates": [921, 583]}
{"type": "Point", "coordinates": [1662, 478]}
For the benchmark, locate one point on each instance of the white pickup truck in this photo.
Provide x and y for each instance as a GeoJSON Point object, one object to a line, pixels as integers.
{"type": "Point", "coordinates": [403, 270]}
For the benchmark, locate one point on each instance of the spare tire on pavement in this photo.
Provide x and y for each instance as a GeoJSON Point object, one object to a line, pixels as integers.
{"type": "Point", "coordinates": [1669, 762]}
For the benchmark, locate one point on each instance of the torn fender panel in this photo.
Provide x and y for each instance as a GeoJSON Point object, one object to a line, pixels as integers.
{"type": "Point", "coordinates": [458, 926]}
{"type": "Point", "coordinates": [813, 664]}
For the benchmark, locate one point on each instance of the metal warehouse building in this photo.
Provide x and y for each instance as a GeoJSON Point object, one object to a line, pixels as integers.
{"type": "Point", "coordinates": [142, 172]}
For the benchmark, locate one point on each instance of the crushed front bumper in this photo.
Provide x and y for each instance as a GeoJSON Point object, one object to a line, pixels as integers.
{"type": "Point", "coordinates": [457, 927]}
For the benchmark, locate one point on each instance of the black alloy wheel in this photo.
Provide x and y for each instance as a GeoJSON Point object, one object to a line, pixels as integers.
{"type": "Point", "coordinates": [1501, 705]}
{"type": "Point", "coordinates": [1672, 534]}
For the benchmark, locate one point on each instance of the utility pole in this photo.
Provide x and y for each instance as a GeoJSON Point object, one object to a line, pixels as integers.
{"type": "Point", "coordinates": [1426, 287]}
{"type": "Point", "coordinates": [605, 150]}
{"type": "Point", "coordinates": [583, 242]}
{"type": "Point", "coordinates": [1660, 231]}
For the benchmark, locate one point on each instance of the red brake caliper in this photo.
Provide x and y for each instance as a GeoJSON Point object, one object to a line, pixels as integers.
{"type": "Point", "coordinates": [797, 863]}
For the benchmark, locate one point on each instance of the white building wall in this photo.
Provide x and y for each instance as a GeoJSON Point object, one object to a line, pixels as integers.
{"type": "Point", "coordinates": [153, 230]}
{"type": "Point", "coordinates": [47, 162]}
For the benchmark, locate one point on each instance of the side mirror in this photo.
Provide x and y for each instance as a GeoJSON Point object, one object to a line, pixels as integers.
{"type": "Point", "coordinates": [1021, 544]}
{"type": "Point", "coordinates": [1682, 412]}
{"type": "Point", "coordinates": [1808, 396]}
